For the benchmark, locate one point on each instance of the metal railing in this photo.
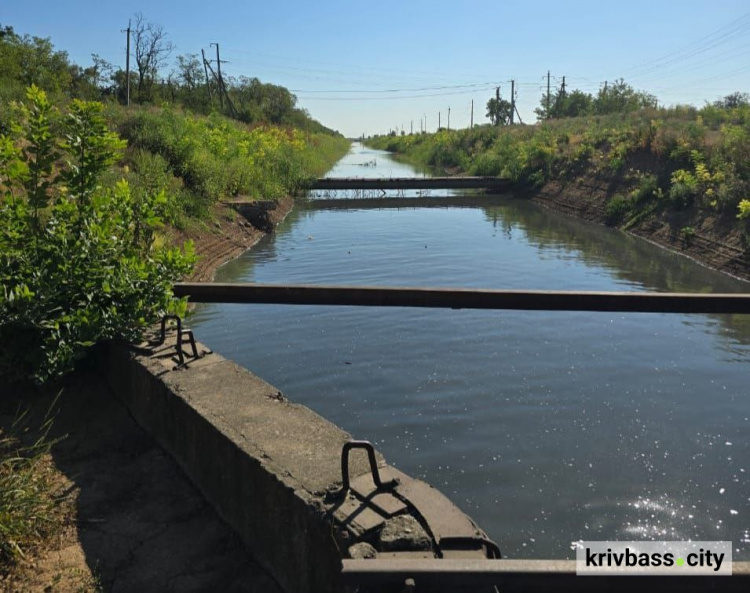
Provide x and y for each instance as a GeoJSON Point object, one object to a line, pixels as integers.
{"type": "Point", "coordinates": [459, 298]}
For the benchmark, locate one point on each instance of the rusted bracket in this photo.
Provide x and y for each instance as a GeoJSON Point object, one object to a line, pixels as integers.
{"type": "Point", "coordinates": [181, 334]}
{"type": "Point", "coordinates": [367, 446]}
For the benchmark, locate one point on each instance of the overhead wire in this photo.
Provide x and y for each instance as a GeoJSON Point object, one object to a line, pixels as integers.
{"type": "Point", "coordinates": [705, 43]}
{"type": "Point", "coordinates": [361, 75]}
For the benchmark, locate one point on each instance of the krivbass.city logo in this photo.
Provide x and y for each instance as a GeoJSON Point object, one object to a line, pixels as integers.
{"type": "Point", "coordinates": [654, 558]}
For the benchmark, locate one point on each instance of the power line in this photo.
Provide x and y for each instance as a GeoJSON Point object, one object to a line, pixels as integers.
{"type": "Point", "coordinates": [394, 98]}
{"type": "Point", "coordinates": [355, 67]}
{"type": "Point", "coordinates": [434, 88]}
{"type": "Point", "coordinates": [704, 44]}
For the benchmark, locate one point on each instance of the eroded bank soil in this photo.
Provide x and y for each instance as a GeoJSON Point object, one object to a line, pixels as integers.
{"type": "Point", "coordinates": [234, 230]}
{"type": "Point", "coordinates": [714, 239]}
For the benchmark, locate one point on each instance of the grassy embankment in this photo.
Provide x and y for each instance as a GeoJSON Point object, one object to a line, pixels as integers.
{"type": "Point", "coordinates": [200, 160]}
{"type": "Point", "coordinates": [679, 176]}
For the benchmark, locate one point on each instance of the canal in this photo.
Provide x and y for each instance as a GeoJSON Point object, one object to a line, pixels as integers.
{"type": "Point", "coordinates": [547, 428]}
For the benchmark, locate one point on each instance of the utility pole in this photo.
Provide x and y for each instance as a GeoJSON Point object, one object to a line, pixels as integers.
{"type": "Point", "coordinates": [208, 84]}
{"type": "Point", "coordinates": [438, 121]}
{"type": "Point", "coordinates": [222, 88]}
{"type": "Point", "coordinates": [218, 69]}
{"type": "Point", "coordinates": [548, 115]}
{"type": "Point", "coordinates": [411, 131]}
{"type": "Point", "coordinates": [512, 101]}
{"type": "Point", "coordinates": [449, 118]}
{"type": "Point", "coordinates": [562, 91]}
{"type": "Point", "coordinates": [472, 113]}
{"type": "Point", "coordinates": [127, 63]}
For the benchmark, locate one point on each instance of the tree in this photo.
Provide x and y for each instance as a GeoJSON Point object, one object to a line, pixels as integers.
{"type": "Point", "coordinates": [189, 71]}
{"type": "Point", "coordinates": [267, 102]}
{"type": "Point", "coordinates": [26, 60]}
{"type": "Point", "coordinates": [498, 111]}
{"type": "Point", "coordinates": [151, 51]}
{"type": "Point", "coordinates": [736, 99]}
{"type": "Point", "coordinates": [620, 97]}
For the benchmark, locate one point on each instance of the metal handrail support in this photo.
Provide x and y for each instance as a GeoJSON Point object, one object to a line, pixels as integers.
{"type": "Point", "coordinates": [367, 446]}
{"type": "Point", "coordinates": [180, 333]}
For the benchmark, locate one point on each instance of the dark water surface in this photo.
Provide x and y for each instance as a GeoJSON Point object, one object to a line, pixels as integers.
{"type": "Point", "coordinates": [547, 428]}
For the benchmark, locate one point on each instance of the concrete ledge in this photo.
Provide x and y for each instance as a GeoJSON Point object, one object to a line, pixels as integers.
{"type": "Point", "coordinates": [272, 470]}
{"type": "Point", "coordinates": [262, 462]}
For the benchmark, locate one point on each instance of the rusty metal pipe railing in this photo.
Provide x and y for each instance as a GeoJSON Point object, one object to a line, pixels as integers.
{"type": "Point", "coordinates": [459, 298]}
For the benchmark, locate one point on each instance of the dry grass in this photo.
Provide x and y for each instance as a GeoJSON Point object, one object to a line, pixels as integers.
{"type": "Point", "coordinates": [31, 504]}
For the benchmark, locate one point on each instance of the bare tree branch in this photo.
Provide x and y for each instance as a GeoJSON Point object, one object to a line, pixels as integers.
{"type": "Point", "coordinates": [151, 51]}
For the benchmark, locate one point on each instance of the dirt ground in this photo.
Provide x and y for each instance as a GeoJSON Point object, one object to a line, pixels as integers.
{"type": "Point", "coordinates": [131, 521]}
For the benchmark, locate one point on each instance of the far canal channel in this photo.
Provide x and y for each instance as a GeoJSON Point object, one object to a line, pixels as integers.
{"type": "Point", "coordinates": [547, 428]}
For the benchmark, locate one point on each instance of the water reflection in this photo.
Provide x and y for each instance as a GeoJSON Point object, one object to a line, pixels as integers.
{"type": "Point", "coordinates": [548, 428]}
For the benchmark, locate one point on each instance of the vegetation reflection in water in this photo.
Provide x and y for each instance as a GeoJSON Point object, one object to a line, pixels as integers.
{"type": "Point", "coordinates": [546, 427]}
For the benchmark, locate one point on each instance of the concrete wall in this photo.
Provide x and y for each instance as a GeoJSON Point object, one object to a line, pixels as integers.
{"type": "Point", "coordinates": [272, 470]}
{"type": "Point", "coordinates": [262, 462]}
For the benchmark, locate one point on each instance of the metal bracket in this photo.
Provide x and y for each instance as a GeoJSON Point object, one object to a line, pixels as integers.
{"type": "Point", "coordinates": [181, 333]}
{"type": "Point", "coordinates": [367, 446]}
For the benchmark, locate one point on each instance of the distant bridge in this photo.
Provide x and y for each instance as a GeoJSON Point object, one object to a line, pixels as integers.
{"type": "Point", "coordinates": [377, 203]}
{"type": "Point", "coordinates": [491, 184]}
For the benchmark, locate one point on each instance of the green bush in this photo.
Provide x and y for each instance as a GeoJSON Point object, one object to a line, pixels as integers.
{"type": "Point", "coordinates": [218, 158]}
{"type": "Point", "coordinates": [648, 189]}
{"type": "Point", "coordinates": [77, 262]}
{"type": "Point", "coordinates": [617, 209]}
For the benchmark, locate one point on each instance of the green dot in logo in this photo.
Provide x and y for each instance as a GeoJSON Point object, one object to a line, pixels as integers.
{"type": "Point", "coordinates": [680, 562]}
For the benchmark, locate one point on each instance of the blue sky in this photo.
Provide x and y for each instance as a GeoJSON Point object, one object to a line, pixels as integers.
{"type": "Point", "coordinates": [367, 67]}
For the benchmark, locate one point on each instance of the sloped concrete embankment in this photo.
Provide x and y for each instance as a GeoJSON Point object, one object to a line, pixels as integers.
{"type": "Point", "coordinates": [272, 469]}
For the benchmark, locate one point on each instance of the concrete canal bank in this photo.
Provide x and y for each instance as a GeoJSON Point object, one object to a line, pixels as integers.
{"type": "Point", "coordinates": [273, 471]}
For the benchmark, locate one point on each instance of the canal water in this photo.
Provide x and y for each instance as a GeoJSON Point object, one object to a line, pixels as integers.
{"type": "Point", "coordinates": [547, 428]}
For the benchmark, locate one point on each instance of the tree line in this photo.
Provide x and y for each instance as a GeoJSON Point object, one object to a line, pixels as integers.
{"type": "Point", "coordinates": [617, 97]}
{"type": "Point", "coordinates": [155, 78]}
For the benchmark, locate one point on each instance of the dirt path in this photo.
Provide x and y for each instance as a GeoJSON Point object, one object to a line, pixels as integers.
{"type": "Point", "coordinates": [134, 522]}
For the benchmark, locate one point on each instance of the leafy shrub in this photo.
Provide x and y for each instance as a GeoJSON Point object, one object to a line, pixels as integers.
{"type": "Point", "coordinates": [687, 234]}
{"type": "Point", "coordinates": [648, 189]}
{"type": "Point", "coordinates": [617, 209]}
{"type": "Point", "coordinates": [77, 263]}
{"type": "Point", "coordinates": [218, 158]}
{"type": "Point", "coordinates": [744, 210]}
{"type": "Point", "coordinates": [684, 188]}
{"type": "Point", "coordinates": [487, 163]}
